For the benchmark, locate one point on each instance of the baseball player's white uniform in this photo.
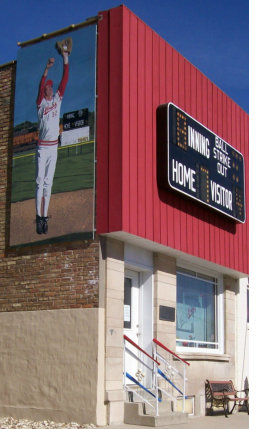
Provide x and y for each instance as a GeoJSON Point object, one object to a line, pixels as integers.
{"type": "Point", "coordinates": [46, 156]}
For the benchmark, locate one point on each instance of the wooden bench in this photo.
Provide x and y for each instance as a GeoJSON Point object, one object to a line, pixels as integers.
{"type": "Point", "coordinates": [220, 393]}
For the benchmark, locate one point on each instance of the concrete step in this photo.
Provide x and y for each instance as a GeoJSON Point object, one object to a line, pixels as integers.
{"type": "Point", "coordinates": [135, 413]}
{"type": "Point", "coordinates": [165, 407]}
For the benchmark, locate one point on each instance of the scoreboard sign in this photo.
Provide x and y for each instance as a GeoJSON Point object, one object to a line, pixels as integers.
{"type": "Point", "coordinates": [199, 164]}
{"type": "Point", "coordinates": [76, 119]}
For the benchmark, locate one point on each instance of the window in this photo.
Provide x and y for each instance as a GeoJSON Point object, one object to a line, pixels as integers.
{"type": "Point", "coordinates": [127, 303]}
{"type": "Point", "coordinates": [198, 312]}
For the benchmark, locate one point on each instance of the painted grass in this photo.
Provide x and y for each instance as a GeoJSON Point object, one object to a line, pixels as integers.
{"type": "Point", "coordinates": [74, 171]}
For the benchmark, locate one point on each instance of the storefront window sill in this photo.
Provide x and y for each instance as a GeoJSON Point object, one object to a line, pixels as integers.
{"type": "Point", "coordinates": [204, 356]}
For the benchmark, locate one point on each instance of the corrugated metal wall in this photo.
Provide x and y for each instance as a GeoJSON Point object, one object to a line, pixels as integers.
{"type": "Point", "coordinates": [137, 71]}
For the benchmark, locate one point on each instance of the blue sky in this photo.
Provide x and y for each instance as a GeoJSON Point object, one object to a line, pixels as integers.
{"type": "Point", "coordinates": [213, 35]}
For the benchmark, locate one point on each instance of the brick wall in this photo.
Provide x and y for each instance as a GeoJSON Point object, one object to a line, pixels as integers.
{"type": "Point", "coordinates": [52, 276]}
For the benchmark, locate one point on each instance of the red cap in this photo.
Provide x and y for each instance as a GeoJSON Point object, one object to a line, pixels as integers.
{"type": "Point", "coordinates": [49, 83]}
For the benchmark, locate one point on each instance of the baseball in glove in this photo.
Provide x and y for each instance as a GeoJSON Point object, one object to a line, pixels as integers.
{"type": "Point", "coordinates": [64, 46]}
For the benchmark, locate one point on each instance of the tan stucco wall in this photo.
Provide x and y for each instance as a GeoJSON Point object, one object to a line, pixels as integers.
{"type": "Point", "coordinates": [164, 294]}
{"type": "Point", "coordinates": [242, 337]}
{"type": "Point", "coordinates": [112, 269]}
{"type": "Point", "coordinates": [49, 365]}
{"type": "Point", "coordinates": [202, 368]}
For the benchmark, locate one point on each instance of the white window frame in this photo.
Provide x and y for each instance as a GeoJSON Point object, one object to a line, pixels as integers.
{"type": "Point", "coordinates": [219, 309]}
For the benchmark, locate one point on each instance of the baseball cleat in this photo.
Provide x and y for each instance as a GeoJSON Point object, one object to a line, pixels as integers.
{"type": "Point", "coordinates": [45, 225]}
{"type": "Point", "coordinates": [39, 224]}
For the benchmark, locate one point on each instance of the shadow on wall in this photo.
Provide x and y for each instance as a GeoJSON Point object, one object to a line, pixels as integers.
{"type": "Point", "coordinates": [207, 215]}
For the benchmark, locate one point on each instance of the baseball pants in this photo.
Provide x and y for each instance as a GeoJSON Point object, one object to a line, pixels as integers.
{"type": "Point", "coordinates": [46, 159]}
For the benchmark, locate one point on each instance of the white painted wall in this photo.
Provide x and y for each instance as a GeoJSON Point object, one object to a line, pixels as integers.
{"type": "Point", "coordinates": [242, 336]}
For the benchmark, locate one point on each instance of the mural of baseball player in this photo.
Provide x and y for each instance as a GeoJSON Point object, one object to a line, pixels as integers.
{"type": "Point", "coordinates": [48, 110]}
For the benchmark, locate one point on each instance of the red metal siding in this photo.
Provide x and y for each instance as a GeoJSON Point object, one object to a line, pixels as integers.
{"type": "Point", "coordinates": [137, 71]}
{"type": "Point", "coordinates": [102, 185]}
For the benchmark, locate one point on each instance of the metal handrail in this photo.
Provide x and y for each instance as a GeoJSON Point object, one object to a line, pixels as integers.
{"type": "Point", "coordinates": [156, 372]}
{"type": "Point", "coordinates": [140, 349]}
{"type": "Point", "coordinates": [169, 381]}
{"type": "Point", "coordinates": [141, 385]}
{"type": "Point", "coordinates": [169, 351]}
{"type": "Point", "coordinates": [159, 373]}
{"type": "Point", "coordinates": [153, 370]}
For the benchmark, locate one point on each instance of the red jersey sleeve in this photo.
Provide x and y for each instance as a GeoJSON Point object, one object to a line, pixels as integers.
{"type": "Point", "coordinates": [64, 80]}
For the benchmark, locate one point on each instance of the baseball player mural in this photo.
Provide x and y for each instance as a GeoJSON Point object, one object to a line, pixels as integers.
{"type": "Point", "coordinates": [48, 107]}
{"type": "Point", "coordinates": [53, 164]}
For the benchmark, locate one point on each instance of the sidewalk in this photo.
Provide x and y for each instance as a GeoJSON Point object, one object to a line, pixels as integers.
{"type": "Point", "coordinates": [237, 421]}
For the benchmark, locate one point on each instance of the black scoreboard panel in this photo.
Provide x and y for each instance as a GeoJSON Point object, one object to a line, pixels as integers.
{"type": "Point", "coordinates": [199, 164]}
{"type": "Point", "coordinates": [76, 119]}
{"type": "Point", "coordinates": [181, 130]}
{"type": "Point", "coordinates": [203, 184]}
